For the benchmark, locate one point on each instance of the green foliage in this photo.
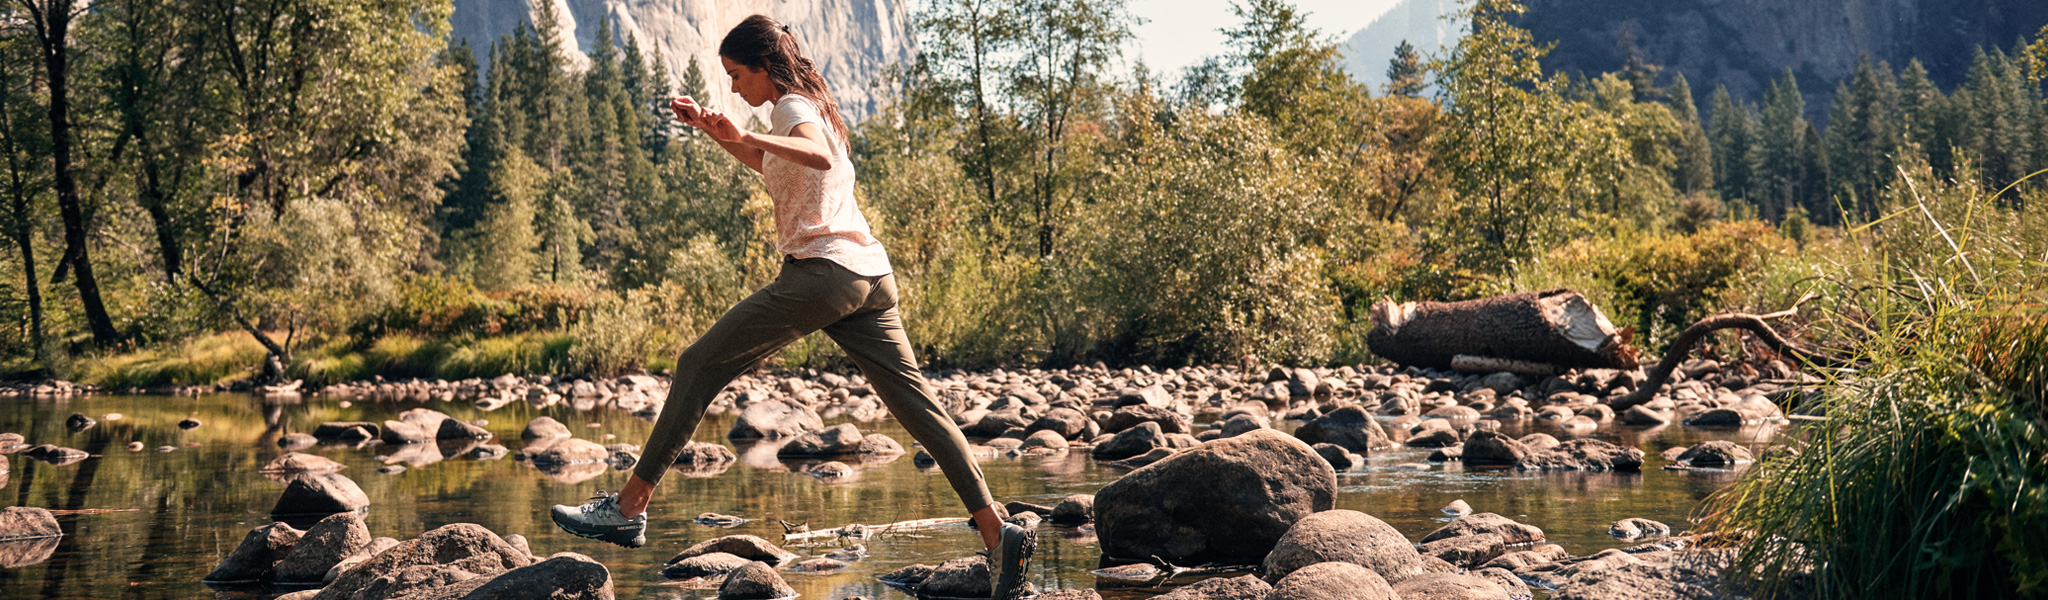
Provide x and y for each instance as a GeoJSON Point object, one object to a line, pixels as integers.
{"type": "Point", "coordinates": [1404, 72]}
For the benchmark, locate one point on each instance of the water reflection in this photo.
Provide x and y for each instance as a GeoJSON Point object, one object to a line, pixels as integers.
{"type": "Point", "coordinates": [195, 503]}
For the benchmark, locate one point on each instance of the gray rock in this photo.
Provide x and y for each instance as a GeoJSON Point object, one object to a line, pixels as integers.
{"type": "Point", "coordinates": [1449, 586]}
{"type": "Point", "coordinates": [27, 523]}
{"type": "Point", "coordinates": [1339, 458]}
{"type": "Point", "coordinates": [704, 565]}
{"type": "Point", "coordinates": [79, 422]}
{"type": "Point", "coordinates": [1350, 427]}
{"type": "Point", "coordinates": [1243, 587]}
{"type": "Point", "coordinates": [1227, 501]}
{"type": "Point", "coordinates": [1506, 580]}
{"type": "Point", "coordinates": [958, 578]}
{"type": "Point", "coordinates": [564, 576]}
{"type": "Point", "coordinates": [774, 419]}
{"type": "Point", "coordinates": [1468, 551]}
{"type": "Point", "coordinates": [1715, 454]}
{"type": "Point", "coordinates": [294, 462]}
{"type": "Point", "coordinates": [455, 429]}
{"type": "Point", "coordinates": [543, 428]}
{"type": "Point", "coordinates": [445, 555]}
{"type": "Point", "coordinates": [565, 451]}
{"type": "Point", "coordinates": [325, 544]}
{"type": "Point", "coordinates": [1139, 439]}
{"type": "Point", "coordinates": [1638, 528]}
{"type": "Point", "coordinates": [1680, 575]}
{"type": "Point", "coordinates": [837, 440]}
{"type": "Point", "coordinates": [399, 433]}
{"type": "Point", "coordinates": [1643, 415]}
{"type": "Point", "coordinates": [261, 549]}
{"type": "Point", "coordinates": [1332, 581]}
{"type": "Point", "coordinates": [1344, 536]}
{"type": "Point", "coordinates": [319, 494]}
{"type": "Point", "coordinates": [818, 564]}
{"type": "Point", "coordinates": [1045, 438]}
{"type": "Point", "coordinates": [1067, 422]}
{"type": "Point", "coordinates": [1130, 416]}
{"type": "Point", "coordinates": [1074, 510]}
{"type": "Point", "coordinates": [1475, 524]}
{"type": "Point", "coordinates": [744, 546]}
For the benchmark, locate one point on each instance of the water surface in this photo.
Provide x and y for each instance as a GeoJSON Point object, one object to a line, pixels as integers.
{"type": "Point", "coordinates": [185, 508]}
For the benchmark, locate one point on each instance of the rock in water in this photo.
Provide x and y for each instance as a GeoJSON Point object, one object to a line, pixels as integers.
{"type": "Point", "coordinates": [79, 423]}
{"type": "Point", "coordinates": [1244, 587]}
{"type": "Point", "coordinates": [744, 546]}
{"type": "Point", "coordinates": [294, 462]}
{"type": "Point", "coordinates": [465, 547]}
{"type": "Point", "coordinates": [1509, 531]}
{"type": "Point", "coordinates": [755, 581]}
{"type": "Point", "coordinates": [1449, 586]}
{"type": "Point", "coordinates": [958, 578]}
{"type": "Point", "coordinates": [543, 428]}
{"type": "Point", "coordinates": [1139, 439]}
{"type": "Point", "coordinates": [564, 576]}
{"type": "Point", "coordinates": [261, 550]}
{"type": "Point", "coordinates": [704, 565]}
{"type": "Point", "coordinates": [1457, 508]}
{"type": "Point", "coordinates": [1074, 510]}
{"type": "Point", "coordinates": [1344, 536]}
{"type": "Point", "coordinates": [334, 538]}
{"type": "Point", "coordinates": [1638, 528]}
{"type": "Point", "coordinates": [1350, 427]}
{"type": "Point", "coordinates": [27, 523]}
{"type": "Point", "coordinates": [838, 440]}
{"type": "Point", "coordinates": [1227, 501]}
{"type": "Point", "coordinates": [189, 424]}
{"type": "Point", "coordinates": [319, 494]}
{"type": "Point", "coordinates": [1332, 581]}
{"type": "Point", "coordinates": [774, 419]}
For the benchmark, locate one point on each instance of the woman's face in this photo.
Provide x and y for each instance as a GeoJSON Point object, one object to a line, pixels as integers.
{"type": "Point", "coordinates": [750, 83]}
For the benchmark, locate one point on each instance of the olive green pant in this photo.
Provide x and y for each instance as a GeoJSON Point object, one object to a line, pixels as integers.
{"type": "Point", "coordinates": [860, 314]}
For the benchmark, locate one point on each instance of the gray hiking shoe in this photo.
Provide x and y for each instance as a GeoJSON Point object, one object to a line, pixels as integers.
{"type": "Point", "coordinates": [1007, 560]}
{"type": "Point", "coordinates": [599, 519]}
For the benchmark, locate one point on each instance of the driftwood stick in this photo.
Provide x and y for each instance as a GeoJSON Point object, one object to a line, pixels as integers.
{"type": "Point", "coordinates": [1682, 347]}
{"type": "Point", "coordinates": [857, 530]}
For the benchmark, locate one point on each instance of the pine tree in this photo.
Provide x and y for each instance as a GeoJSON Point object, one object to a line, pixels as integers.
{"type": "Point", "coordinates": [1782, 132]}
{"type": "Point", "coordinates": [501, 248]}
{"type": "Point", "coordinates": [1404, 72]}
{"type": "Point", "coordinates": [1734, 140]}
{"type": "Point", "coordinates": [1925, 118]}
{"type": "Point", "coordinates": [1862, 135]}
{"type": "Point", "coordinates": [1695, 154]}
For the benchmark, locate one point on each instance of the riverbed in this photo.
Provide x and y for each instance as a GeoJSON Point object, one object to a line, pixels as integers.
{"type": "Point", "coordinates": [151, 523]}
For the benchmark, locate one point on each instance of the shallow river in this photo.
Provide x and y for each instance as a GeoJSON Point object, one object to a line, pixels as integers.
{"type": "Point", "coordinates": [180, 510]}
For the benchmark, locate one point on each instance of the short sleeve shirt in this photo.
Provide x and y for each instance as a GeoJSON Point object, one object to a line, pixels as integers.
{"type": "Point", "coordinates": [815, 213]}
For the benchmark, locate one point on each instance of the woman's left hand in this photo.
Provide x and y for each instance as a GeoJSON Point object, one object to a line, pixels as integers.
{"type": "Point", "coordinates": [719, 126]}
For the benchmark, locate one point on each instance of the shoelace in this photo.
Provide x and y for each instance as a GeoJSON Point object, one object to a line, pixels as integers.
{"type": "Point", "coordinates": [604, 501]}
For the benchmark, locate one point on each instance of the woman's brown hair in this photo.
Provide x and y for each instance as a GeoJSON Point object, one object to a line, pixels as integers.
{"type": "Point", "coordinates": [761, 43]}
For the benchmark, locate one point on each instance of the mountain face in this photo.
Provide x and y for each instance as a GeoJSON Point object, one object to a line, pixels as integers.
{"type": "Point", "coordinates": [852, 41]}
{"type": "Point", "coordinates": [1418, 22]}
{"type": "Point", "coordinates": [1742, 44]}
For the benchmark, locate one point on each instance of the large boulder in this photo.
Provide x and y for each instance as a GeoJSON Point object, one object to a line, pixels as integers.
{"type": "Point", "coordinates": [1243, 587]}
{"type": "Point", "coordinates": [755, 581]}
{"type": "Point", "coordinates": [564, 576]}
{"type": "Point", "coordinates": [339, 536]}
{"type": "Point", "coordinates": [442, 556]}
{"type": "Point", "coordinates": [261, 549]}
{"type": "Point", "coordinates": [958, 578]}
{"type": "Point", "coordinates": [319, 494]}
{"type": "Point", "coordinates": [565, 451]}
{"type": "Point", "coordinates": [1344, 536]}
{"type": "Point", "coordinates": [774, 419]}
{"type": "Point", "coordinates": [1467, 551]}
{"type": "Point", "coordinates": [1228, 501]}
{"type": "Point", "coordinates": [1332, 581]}
{"type": "Point", "coordinates": [455, 429]}
{"type": "Point", "coordinates": [399, 433]}
{"type": "Point", "coordinates": [1350, 427]}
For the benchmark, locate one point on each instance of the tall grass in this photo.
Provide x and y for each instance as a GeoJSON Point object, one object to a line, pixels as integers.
{"type": "Point", "coordinates": [1928, 477]}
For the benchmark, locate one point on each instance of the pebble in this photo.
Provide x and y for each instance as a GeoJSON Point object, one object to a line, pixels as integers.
{"type": "Point", "coordinates": [135, 446]}
{"type": "Point", "coordinates": [166, 448]}
{"type": "Point", "coordinates": [1457, 508]}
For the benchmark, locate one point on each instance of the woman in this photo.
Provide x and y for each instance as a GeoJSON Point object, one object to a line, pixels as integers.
{"type": "Point", "coordinates": [835, 277]}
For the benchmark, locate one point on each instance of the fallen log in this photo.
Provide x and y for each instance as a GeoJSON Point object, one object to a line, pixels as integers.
{"type": "Point", "coordinates": [859, 531]}
{"type": "Point", "coordinates": [1529, 332]}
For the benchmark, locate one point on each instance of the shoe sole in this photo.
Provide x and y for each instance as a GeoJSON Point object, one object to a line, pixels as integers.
{"type": "Point", "coordinates": [1027, 546]}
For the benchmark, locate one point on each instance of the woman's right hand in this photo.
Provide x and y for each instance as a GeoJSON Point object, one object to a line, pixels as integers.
{"type": "Point", "coordinates": [687, 111]}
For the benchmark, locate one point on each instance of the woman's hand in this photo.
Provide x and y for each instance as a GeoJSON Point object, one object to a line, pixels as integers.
{"type": "Point", "coordinates": [715, 123]}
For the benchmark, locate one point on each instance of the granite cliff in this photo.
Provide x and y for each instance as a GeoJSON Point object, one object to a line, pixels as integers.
{"type": "Point", "coordinates": [852, 41]}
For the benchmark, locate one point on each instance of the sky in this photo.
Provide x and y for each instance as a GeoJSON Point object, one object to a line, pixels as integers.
{"type": "Point", "coordinates": [1178, 33]}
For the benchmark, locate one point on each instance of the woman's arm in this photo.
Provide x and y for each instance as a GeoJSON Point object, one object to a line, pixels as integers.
{"type": "Point", "coordinates": [806, 144]}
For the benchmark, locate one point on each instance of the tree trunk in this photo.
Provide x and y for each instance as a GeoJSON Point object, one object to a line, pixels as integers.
{"type": "Point", "coordinates": [1557, 328]}
{"type": "Point", "coordinates": [53, 27]}
{"type": "Point", "coordinates": [278, 357]}
{"type": "Point", "coordinates": [24, 236]}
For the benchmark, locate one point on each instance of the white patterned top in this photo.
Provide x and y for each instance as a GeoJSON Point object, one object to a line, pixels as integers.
{"type": "Point", "coordinates": [815, 213]}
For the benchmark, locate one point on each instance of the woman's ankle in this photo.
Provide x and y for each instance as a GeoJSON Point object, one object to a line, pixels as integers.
{"type": "Point", "coordinates": [633, 498]}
